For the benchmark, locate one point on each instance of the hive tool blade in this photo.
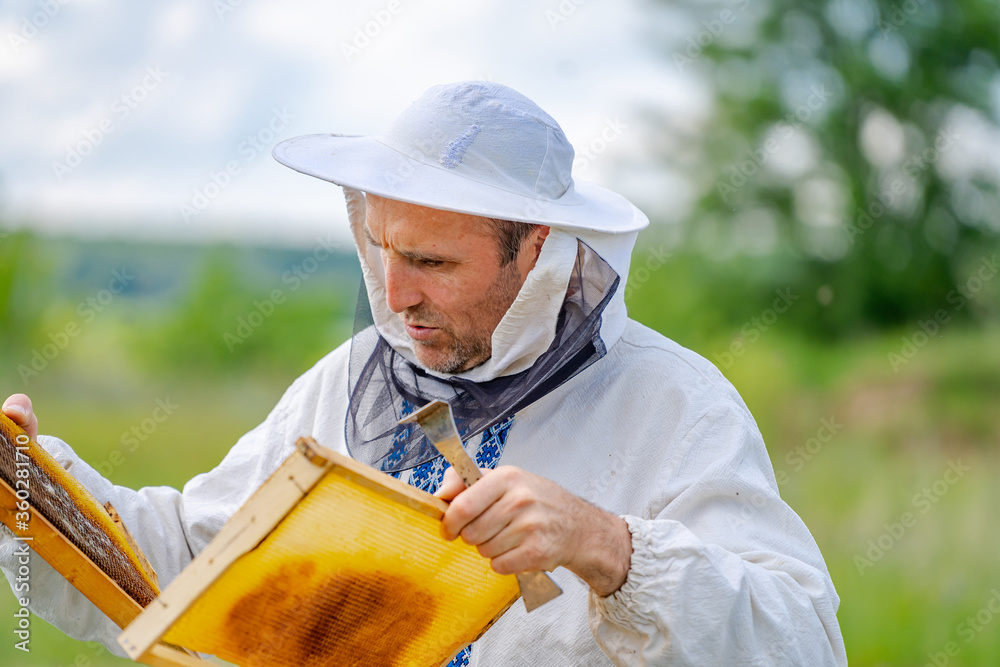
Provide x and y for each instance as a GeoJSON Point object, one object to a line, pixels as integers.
{"type": "Point", "coordinates": [438, 424]}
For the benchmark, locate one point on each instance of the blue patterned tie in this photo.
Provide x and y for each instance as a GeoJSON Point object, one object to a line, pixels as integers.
{"type": "Point", "coordinates": [427, 476]}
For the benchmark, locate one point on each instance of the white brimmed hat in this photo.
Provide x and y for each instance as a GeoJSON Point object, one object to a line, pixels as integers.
{"type": "Point", "coordinates": [473, 147]}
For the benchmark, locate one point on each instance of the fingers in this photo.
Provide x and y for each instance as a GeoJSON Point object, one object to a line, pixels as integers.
{"type": "Point", "coordinates": [471, 503]}
{"type": "Point", "coordinates": [18, 409]}
{"type": "Point", "coordinates": [493, 532]}
{"type": "Point", "coordinates": [522, 559]}
{"type": "Point", "coordinates": [523, 522]}
{"type": "Point", "coordinates": [451, 485]}
{"type": "Point", "coordinates": [520, 531]}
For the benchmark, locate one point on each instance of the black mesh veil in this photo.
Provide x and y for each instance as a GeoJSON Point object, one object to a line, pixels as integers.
{"type": "Point", "coordinates": [384, 387]}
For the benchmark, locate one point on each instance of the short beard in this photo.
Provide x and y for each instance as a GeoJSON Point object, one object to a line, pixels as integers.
{"type": "Point", "coordinates": [475, 350]}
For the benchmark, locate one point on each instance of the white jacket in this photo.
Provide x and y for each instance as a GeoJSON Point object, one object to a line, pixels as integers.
{"type": "Point", "coordinates": [723, 571]}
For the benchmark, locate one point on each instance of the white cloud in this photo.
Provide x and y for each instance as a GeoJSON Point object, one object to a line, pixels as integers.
{"type": "Point", "coordinates": [226, 75]}
{"type": "Point", "coordinates": [178, 22]}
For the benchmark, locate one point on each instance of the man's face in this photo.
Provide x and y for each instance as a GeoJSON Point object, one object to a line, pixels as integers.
{"type": "Point", "coordinates": [444, 280]}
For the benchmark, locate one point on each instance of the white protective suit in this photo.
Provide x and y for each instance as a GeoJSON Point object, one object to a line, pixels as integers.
{"type": "Point", "coordinates": [723, 572]}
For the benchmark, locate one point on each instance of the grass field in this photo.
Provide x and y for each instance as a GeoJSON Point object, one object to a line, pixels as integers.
{"type": "Point", "coordinates": [894, 471]}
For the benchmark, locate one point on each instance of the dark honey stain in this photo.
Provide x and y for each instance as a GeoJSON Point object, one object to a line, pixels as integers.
{"type": "Point", "coordinates": [347, 619]}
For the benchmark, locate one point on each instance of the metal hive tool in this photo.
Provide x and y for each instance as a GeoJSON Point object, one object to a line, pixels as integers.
{"type": "Point", "coordinates": [438, 424]}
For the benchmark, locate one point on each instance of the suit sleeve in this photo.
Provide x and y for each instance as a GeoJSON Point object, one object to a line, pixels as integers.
{"type": "Point", "coordinates": [724, 572]}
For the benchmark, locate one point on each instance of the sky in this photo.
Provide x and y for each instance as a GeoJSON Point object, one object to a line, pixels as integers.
{"type": "Point", "coordinates": [156, 120]}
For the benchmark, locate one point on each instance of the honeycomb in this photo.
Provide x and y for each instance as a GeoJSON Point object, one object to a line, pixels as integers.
{"type": "Point", "coordinates": [351, 577]}
{"type": "Point", "coordinates": [72, 510]}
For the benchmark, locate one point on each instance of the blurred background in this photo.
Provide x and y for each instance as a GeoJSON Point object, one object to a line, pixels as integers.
{"type": "Point", "coordinates": [822, 180]}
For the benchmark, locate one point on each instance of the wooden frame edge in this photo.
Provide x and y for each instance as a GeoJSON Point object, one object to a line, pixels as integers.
{"type": "Point", "coordinates": [163, 655]}
{"type": "Point", "coordinates": [268, 505]}
{"type": "Point", "coordinates": [143, 561]}
{"type": "Point", "coordinates": [387, 485]}
{"type": "Point", "coordinates": [67, 559]}
{"type": "Point", "coordinates": [251, 524]}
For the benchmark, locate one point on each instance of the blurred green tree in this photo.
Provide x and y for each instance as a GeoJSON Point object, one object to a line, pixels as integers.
{"type": "Point", "coordinates": [25, 280]}
{"type": "Point", "coordinates": [238, 313]}
{"type": "Point", "coordinates": [853, 144]}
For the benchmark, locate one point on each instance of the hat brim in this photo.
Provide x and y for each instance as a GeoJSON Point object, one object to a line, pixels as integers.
{"type": "Point", "coordinates": [366, 164]}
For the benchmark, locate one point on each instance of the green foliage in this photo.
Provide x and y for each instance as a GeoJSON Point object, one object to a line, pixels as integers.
{"type": "Point", "coordinates": [897, 432]}
{"type": "Point", "coordinates": [231, 317]}
{"type": "Point", "coordinates": [842, 142]}
{"type": "Point", "coordinates": [220, 309]}
{"type": "Point", "coordinates": [25, 275]}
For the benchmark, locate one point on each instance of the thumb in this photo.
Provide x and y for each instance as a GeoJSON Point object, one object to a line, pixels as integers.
{"type": "Point", "coordinates": [18, 409]}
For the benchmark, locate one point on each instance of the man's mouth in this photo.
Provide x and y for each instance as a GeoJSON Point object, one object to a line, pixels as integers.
{"type": "Point", "coordinates": [419, 333]}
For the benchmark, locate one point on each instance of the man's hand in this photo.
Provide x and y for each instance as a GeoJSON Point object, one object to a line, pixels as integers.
{"type": "Point", "coordinates": [525, 522]}
{"type": "Point", "coordinates": [18, 408]}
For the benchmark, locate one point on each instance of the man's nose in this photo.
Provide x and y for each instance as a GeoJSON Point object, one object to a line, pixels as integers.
{"type": "Point", "coordinates": [402, 289]}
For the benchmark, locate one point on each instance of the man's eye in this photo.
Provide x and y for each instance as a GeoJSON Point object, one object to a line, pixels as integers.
{"type": "Point", "coordinates": [430, 263]}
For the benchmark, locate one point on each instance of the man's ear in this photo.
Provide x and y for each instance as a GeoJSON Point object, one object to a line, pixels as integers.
{"type": "Point", "coordinates": [531, 248]}
{"type": "Point", "coordinates": [541, 232]}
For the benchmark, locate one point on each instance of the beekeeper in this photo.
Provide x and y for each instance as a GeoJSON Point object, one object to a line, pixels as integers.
{"type": "Point", "coordinates": [620, 460]}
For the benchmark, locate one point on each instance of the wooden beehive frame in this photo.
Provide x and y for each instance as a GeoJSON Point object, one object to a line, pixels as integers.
{"type": "Point", "coordinates": [68, 560]}
{"type": "Point", "coordinates": [272, 502]}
